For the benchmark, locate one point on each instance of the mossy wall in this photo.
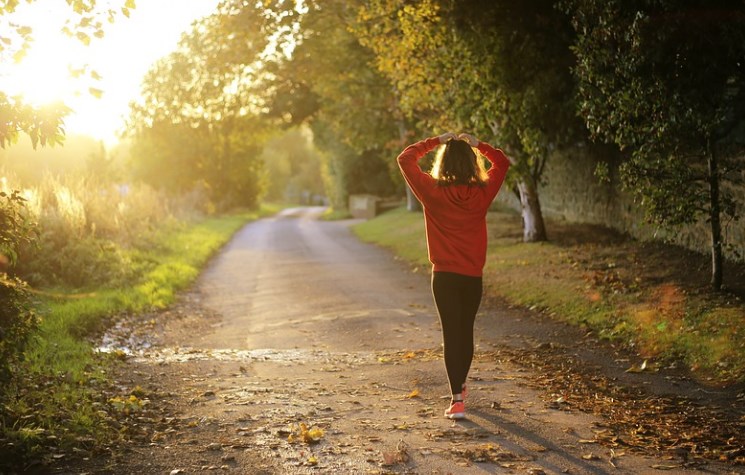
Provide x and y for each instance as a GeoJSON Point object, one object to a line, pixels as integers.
{"type": "Point", "coordinates": [572, 192]}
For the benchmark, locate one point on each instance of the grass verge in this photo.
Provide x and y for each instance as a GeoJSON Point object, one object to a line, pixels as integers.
{"type": "Point", "coordinates": [649, 296]}
{"type": "Point", "coordinates": [57, 403]}
{"type": "Point", "coordinates": [335, 214]}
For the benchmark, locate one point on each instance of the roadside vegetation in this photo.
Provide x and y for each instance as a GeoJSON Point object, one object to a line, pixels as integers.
{"type": "Point", "coordinates": [648, 296]}
{"type": "Point", "coordinates": [98, 252]}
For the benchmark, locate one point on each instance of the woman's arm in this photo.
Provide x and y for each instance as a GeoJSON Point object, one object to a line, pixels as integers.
{"type": "Point", "coordinates": [499, 161]}
{"type": "Point", "coordinates": [408, 162]}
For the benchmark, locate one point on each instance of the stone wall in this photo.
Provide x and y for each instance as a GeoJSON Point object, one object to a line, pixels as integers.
{"type": "Point", "coordinates": [572, 192]}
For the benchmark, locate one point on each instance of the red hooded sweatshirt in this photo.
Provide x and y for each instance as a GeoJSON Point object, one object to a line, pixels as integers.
{"type": "Point", "coordinates": [454, 215]}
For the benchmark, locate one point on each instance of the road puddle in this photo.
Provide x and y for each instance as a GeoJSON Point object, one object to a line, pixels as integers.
{"type": "Point", "coordinates": [168, 355]}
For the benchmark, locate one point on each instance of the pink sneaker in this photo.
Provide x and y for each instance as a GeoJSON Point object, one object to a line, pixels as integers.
{"type": "Point", "coordinates": [457, 410]}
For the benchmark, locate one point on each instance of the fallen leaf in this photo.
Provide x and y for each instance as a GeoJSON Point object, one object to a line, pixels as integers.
{"type": "Point", "coordinates": [312, 435]}
{"type": "Point", "coordinates": [613, 457]}
{"type": "Point", "coordinates": [638, 369]}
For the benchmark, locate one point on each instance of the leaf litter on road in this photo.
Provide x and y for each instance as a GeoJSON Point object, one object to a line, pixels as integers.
{"type": "Point", "coordinates": [634, 419]}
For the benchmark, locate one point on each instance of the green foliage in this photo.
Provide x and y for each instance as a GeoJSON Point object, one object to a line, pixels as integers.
{"type": "Point", "coordinates": [79, 263]}
{"type": "Point", "coordinates": [330, 83]}
{"type": "Point", "coordinates": [293, 167]}
{"type": "Point", "coordinates": [43, 125]}
{"type": "Point", "coordinates": [16, 227]}
{"type": "Point", "coordinates": [17, 324]}
{"type": "Point", "coordinates": [664, 80]}
{"type": "Point", "coordinates": [56, 400]}
{"type": "Point", "coordinates": [659, 74]}
{"type": "Point", "coordinates": [198, 124]}
{"type": "Point", "coordinates": [499, 69]}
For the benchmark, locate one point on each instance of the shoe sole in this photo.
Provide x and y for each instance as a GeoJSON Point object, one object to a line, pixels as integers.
{"type": "Point", "coordinates": [456, 415]}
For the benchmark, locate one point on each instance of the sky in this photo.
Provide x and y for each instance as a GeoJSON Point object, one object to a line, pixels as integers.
{"type": "Point", "coordinates": [122, 57]}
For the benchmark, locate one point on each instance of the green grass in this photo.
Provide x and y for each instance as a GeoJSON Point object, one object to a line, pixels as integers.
{"type": "Point", "coordinates": [598, 287]}
{"type": "Point", "coordinates": [59, 394]}
{"type": "Point", "coordinates": [398, 230]}
{"type": "Point", "coordinates": [334, 214]}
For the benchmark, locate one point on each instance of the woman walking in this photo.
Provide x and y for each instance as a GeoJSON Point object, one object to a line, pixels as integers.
{"type": "Point", "coordinates": [455, 195]}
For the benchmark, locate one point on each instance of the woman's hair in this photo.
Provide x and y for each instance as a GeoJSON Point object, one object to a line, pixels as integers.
{"type": "Point", "coordinates": [458, 164]}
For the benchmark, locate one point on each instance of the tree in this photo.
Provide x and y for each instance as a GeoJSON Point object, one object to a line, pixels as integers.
{"type": "Point", "coordinates": [665, 81]}
{"type": "Point", "coordinates": [330, 83]}
{"type": "Point", "coordinates": [500, 69]}
{"type": "Point", "coordinates": [199, 120]}
{"type": "Point", "coordinates": [293, 167]}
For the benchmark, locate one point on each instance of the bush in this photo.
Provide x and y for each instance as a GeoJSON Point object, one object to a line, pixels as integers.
{"type": "Point", "coordinates": [77, 263]}
{"type": "Point", "coordinates": [17, 323]}
{"type": "Point", "coordinates": [87, 228]}
{"type": "Point", "coordinates": [16, 228]}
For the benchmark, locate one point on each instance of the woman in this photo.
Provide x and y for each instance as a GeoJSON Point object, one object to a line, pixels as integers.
{"type": "Point", "coordinates": [456, 195]}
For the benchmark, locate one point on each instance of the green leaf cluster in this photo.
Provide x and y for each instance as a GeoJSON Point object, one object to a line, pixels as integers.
{"type": "Point", "coordinates": [17, 228]}
{"type": "Point", "coordinates": [664, 80]}
{"type": "Point", "coordinates": [17, 323]}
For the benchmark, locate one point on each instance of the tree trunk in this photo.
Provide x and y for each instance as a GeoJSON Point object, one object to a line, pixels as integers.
{"type": "Point", "coordinates": [715, 220]}
{"type": "Point", "coordinates": [534, 229]}
{"type": "Point", "coordinates": [412, 203]}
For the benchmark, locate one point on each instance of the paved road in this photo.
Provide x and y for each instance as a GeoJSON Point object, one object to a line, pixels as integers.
{"type": "Point", "coordinates": [296, 324]}
{"type": "Point", "coordinates": [292, 280]}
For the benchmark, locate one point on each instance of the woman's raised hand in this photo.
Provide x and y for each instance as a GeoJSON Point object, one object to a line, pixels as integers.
{"type": "Point", "coordinates": [470, 139]}
{"type": "Point", "coordinates": [447, 136]}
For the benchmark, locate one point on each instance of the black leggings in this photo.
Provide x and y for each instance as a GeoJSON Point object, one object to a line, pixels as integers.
{"type": "Point", "coordinates": [457, 298]}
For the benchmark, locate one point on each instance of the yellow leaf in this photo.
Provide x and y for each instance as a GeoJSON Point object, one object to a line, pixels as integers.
{"type": "Point", "coordinates": [312, 435]}
{"type": "Point", "coordinates": [413, 394]}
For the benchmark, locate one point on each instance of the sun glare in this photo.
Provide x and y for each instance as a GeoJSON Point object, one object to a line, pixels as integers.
{"type": "Point", "coordinates": [121, 58]}
{"type": "Point", "coordinates": [42, 76]}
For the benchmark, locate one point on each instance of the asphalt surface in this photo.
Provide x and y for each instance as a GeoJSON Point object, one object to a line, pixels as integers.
{"type": "Point", "coordinates": [302, 350]}
{"type": "Point", "coordinates": [292, 280]}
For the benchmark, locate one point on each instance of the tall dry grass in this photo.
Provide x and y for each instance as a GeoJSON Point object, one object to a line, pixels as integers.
{"type": "Point", "coordinates": [87, 226]}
